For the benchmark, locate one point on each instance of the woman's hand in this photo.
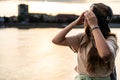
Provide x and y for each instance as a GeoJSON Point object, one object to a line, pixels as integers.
{"type": "Point", "coordinates": [91, 18]}
{"type": "Point", "coordinates": [80, 19]}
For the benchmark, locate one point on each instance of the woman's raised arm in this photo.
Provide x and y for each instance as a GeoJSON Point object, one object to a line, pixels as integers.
{"type": "Point", "coordinates": [60, 38]}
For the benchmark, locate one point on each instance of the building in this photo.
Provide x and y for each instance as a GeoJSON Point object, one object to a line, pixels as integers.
{"type": "Point", "coordinates": [23, 9]}
{"type": "Point", "coordinates": [38, 17]}
{"type": "Point", "coordinates": [23, 14]}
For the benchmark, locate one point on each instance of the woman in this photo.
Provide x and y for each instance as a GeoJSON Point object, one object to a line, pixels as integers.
{"type": "Point", "coordinates": [96, 47]}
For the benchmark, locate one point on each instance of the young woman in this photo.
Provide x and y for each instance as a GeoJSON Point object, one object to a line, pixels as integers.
{"type": "Point", "coordinates": [96, 47]}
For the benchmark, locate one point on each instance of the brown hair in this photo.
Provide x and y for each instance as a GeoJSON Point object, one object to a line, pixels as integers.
{"type": "Point", "coordinates": [104, 15]}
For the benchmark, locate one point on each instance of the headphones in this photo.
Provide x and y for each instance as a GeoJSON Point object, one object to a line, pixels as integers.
{"type": "Point", "coordinates": [110, 14]}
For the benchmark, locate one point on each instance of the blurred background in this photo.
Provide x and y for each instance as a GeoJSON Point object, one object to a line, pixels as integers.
{"type": "Point", "coordinates": [26, 30]}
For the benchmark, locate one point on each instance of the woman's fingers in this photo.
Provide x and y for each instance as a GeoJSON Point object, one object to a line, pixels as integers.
{"type": "Point", "coordinates": [89, 14]}
{"type": "Point", "coordinates": [80, 19]}
{"type": "Point", "coordinates": [91, 18]}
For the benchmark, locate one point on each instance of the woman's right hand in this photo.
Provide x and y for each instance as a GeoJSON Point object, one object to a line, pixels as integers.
{"type": "Point", "coordinates": [80, 19]}
{"type": "Point", "coordinates": [91, 18]}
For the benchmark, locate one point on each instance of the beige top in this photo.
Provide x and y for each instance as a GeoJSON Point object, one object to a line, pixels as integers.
{"type": "Point", "coordinates": [100, 71]}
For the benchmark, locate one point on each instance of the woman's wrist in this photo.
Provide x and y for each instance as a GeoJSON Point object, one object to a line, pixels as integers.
{"type": "Point", "coordinates": [94, 28]}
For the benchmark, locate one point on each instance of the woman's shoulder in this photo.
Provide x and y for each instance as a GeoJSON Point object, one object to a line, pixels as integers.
{"type": "Point", "coordinates": [113, 38]}
{"type": "Point", "coordinates": [80, 34]}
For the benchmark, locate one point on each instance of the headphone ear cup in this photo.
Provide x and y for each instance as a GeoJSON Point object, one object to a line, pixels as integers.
{"type": "Point", "coordinates": [108, 18]}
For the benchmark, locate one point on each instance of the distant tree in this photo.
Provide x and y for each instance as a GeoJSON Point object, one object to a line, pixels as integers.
{"type": "Point", "coordinates": [59, 21]}
{"type": "Point", "coordinates": [115, 19]}
{"type": "Point", "coordinates": [6, 19]}
{"type": "Point", "coordinates": [21, 18]}
{"type": "Point", "coordinates": [33, 19]}
{"type": "Point", "coordinates": [41, 18]}
{"type": "Point", "coordinates": [70, 20]}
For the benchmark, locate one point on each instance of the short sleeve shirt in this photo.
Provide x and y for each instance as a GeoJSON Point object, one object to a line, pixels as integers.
{"type": "Point", "coordinates": [81, 68]}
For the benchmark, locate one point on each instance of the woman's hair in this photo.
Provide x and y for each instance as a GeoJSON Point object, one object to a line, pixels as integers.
{"type": "Point", "coordinates": [104, 15]}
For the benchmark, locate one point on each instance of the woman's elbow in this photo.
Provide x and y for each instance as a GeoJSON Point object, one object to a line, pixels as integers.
{"type": "Point", "coordinates": [60, 42]}
{"type": "Point", "coordinates": [54, 41]}
{"type": "Point", "coordinates": [106, 56]}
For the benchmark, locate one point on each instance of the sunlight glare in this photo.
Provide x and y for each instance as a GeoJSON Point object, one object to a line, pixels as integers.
{"type": "Point", "coordinates": [51, 8]}
{"type": "Point", "coordinates": [56, 8]}
{"type": "Point", "coordinates": [6, 9]}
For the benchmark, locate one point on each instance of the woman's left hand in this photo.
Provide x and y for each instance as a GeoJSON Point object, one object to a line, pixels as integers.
{"type": "Point", "coordinates": [80, 19]}
{"type": "Point", "coordinates": [91, 18]}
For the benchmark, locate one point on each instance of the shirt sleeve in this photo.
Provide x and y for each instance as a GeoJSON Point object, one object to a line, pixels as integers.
{"type": "Point", "coordinates": [74, 42]}
{"type": "Point", "coordinates": [112, 42]}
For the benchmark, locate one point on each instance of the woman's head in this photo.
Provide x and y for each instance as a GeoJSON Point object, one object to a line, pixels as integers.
{"type": "Point", "coordinates": [104, 15]}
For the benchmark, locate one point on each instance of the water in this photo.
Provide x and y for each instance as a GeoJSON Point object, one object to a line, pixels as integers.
{"type": "Point", "coordinates": [30, 55]}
